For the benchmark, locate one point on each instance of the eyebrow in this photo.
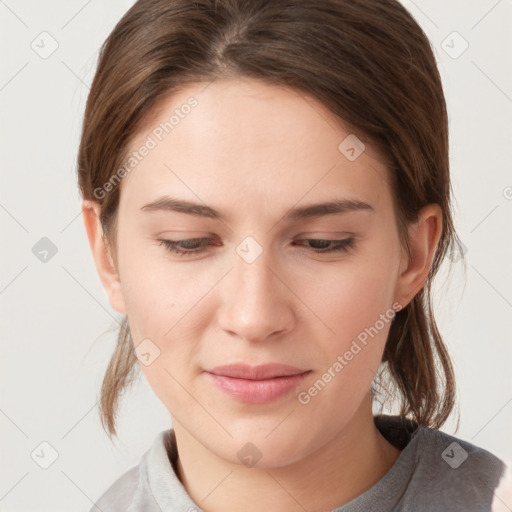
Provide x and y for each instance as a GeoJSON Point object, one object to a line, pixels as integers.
{"type": "Point", "coordinates": [332, 207]}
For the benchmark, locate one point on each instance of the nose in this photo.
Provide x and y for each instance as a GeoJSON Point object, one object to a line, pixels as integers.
{"type": "Point", "coordinates": [256, 299]}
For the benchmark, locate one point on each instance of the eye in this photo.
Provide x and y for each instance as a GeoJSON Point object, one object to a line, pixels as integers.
{"type": "Point", "coordinates": [186, 247]}
{"type": "Point", "coordinates": [193, 246]}
{"type": "Point", "coordinates": [325, 246]}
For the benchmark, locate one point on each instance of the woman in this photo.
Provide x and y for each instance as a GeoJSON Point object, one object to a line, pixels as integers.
{"type": "Point", "coordinates": [267, 198]}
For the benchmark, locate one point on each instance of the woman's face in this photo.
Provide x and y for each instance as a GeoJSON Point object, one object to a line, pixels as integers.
{"type": "Point", "coordinates": [250, 160]}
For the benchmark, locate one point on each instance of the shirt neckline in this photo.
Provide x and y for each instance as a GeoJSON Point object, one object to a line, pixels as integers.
{"type": "Point", "coordinates": [170, 493]}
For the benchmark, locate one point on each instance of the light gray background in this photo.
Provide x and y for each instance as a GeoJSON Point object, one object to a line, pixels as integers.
{"type": "Point", "coordinates": [55, 316]}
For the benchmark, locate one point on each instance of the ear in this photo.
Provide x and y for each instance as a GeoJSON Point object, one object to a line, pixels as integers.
{"type": "Point", "coordinates": [101, 252]}
{"type": "Point", "coordinates": [424, 236]}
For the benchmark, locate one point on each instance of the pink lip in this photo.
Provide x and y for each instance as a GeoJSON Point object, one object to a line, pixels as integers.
{"type": "Point", "coordinates": [257, 384]}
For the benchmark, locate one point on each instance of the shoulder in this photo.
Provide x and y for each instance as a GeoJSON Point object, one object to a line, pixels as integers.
{"type": "Point", "coordinates": [455, 471]}
{"type": "Point", "coordinates": [132, 491]}
{"type": "Point", "coordinates": [435, 471]}
{"type": "Point", "coordinates": [459, 456]}
{"type": "Point", "coordinates": [119, 496]}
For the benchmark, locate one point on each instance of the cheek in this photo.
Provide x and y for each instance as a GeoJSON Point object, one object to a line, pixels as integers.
{"type": "Point", "coordinates": [357, 307]}
{"type": "Point", "coordinates": [156, 294]}
{"type": "Point", "coordinates": [355, 302]}
{"type": "Point", "coordinates": [353, 297]}
{"type": "Point", "coordinates": [162, 304]}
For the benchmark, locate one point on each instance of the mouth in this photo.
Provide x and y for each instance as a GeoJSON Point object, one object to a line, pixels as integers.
{"type": "Point", "coordinates": [257, 384]}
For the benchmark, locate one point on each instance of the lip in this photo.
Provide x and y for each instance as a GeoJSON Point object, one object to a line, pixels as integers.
{"type": "Point", "coordinates": [257, 384]}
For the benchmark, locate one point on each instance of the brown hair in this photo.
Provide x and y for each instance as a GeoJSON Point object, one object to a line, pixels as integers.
{"type": "Point", "coordinates": [367, 61]}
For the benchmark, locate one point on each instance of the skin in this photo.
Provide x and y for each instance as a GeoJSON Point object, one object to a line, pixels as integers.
{"type": "Point", "coordinates": [253, 151]}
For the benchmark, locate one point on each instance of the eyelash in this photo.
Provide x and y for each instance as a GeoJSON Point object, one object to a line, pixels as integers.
{"type": "Point", "coordinates": [173, 245]}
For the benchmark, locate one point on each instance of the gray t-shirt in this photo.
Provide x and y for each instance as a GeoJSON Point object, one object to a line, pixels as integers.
{"type": "Point", "coordinates": [435, 472]}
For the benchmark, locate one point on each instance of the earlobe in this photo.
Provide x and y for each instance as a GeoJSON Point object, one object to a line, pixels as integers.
{"type": "Point", "coordinates": [424, 237]}
{"type": "Point", "coordinates": [103, 258]}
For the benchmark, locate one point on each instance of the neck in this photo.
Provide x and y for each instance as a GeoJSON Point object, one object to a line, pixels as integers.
{"type": "Point", "coordinates": [348, 465]}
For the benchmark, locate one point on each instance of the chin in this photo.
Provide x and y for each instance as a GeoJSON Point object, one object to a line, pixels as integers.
{"type": "Point", "coordinates": [267, 447]}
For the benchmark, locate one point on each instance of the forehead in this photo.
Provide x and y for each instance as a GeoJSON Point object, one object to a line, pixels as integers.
{"type": "Point", "coordinates": [246, 144]}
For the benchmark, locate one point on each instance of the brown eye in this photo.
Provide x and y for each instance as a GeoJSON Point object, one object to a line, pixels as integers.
{"type": "Point", "coordinates": [184, 247]}
{"type": "Point", "coordinates": [321, 246]}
